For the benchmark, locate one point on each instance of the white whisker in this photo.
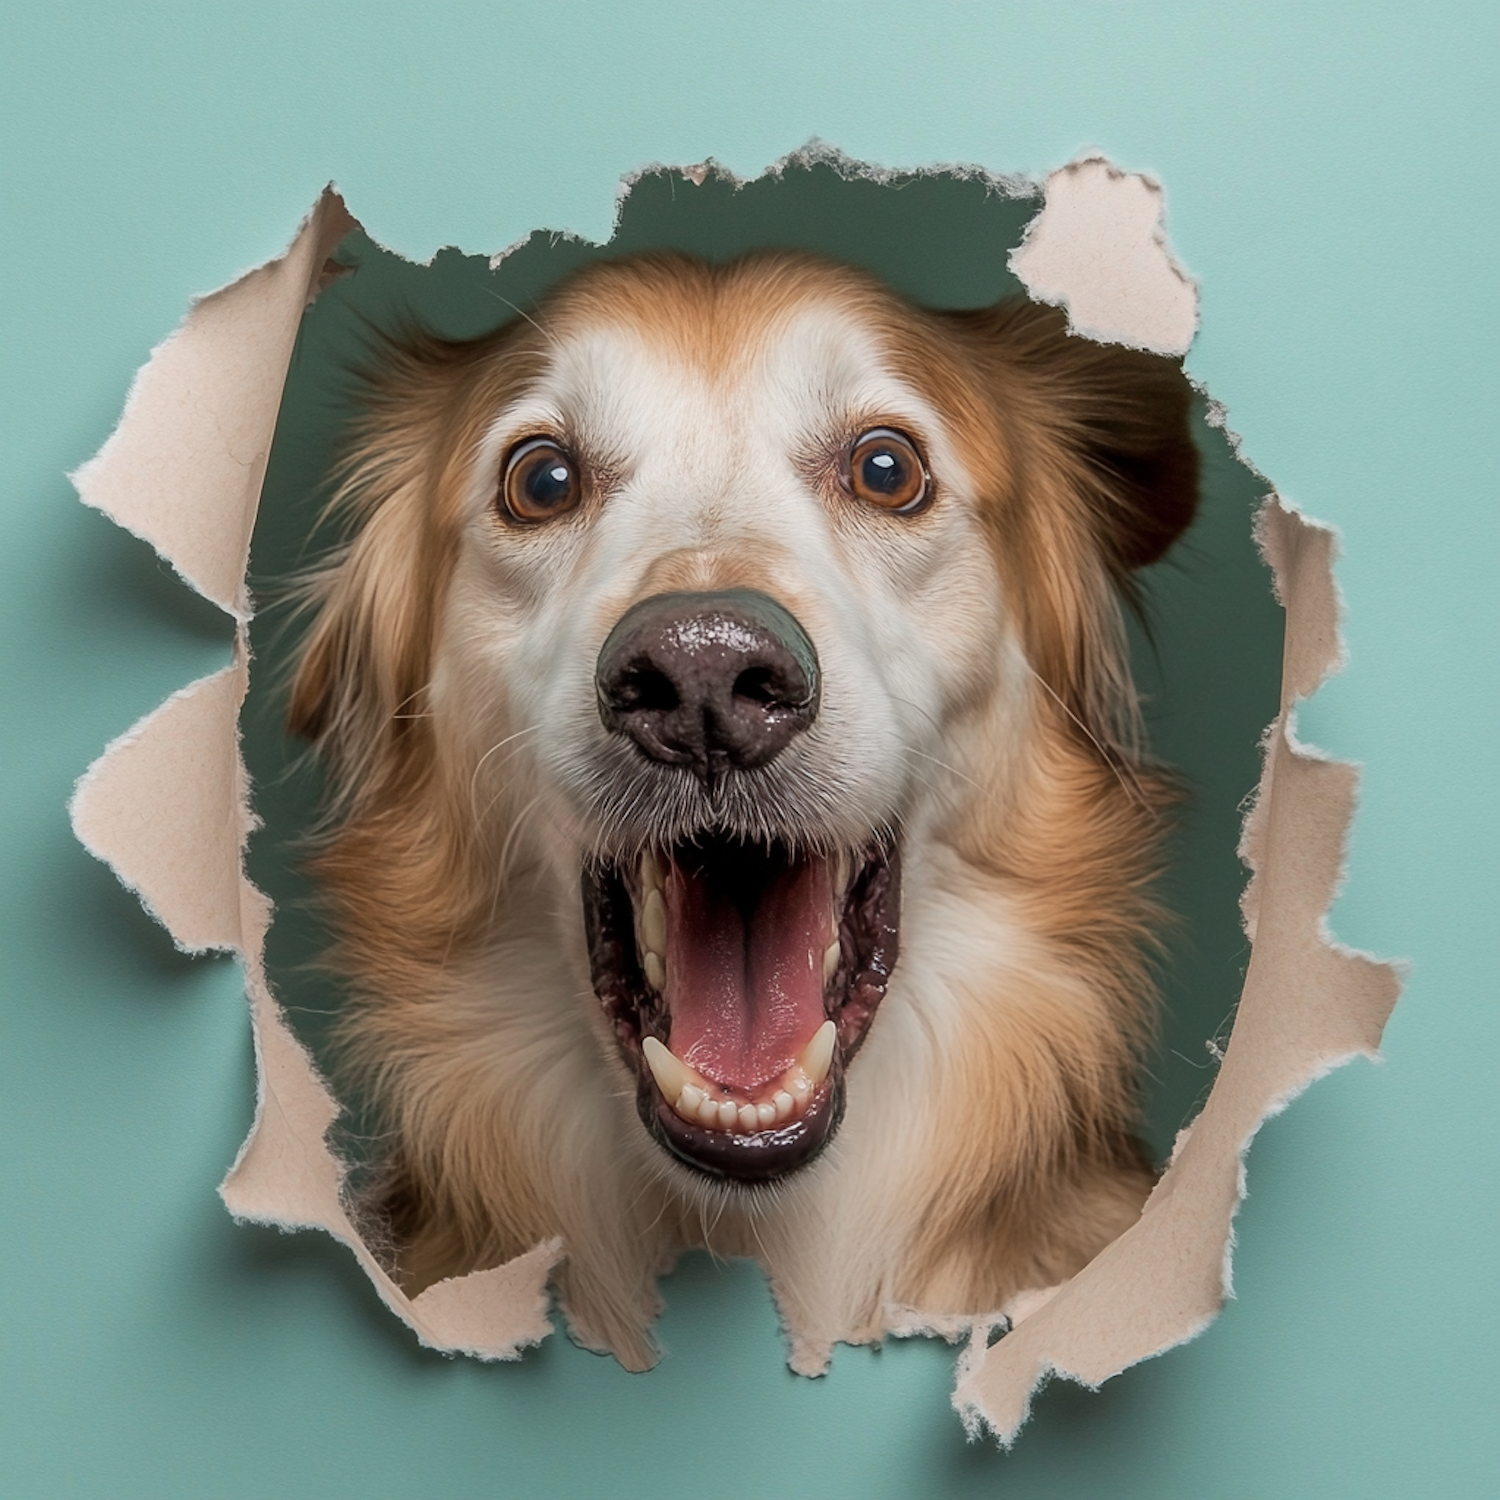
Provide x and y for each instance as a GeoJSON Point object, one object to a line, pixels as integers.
{"type": "Point", "coordinates": [1111, 758]}
{"type": "Point", "coordinates": [520, 311]}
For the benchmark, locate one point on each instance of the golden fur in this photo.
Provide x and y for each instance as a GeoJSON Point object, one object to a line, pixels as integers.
{"type": "Point", "coordinates": [989, 1143]}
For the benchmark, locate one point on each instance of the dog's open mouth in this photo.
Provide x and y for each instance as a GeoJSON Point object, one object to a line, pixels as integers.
{"type": "Point", "coordinates": [740, 981]}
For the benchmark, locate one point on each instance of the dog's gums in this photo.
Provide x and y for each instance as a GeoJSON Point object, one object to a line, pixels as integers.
{"type": "Point", "coordinates": [739, 982]}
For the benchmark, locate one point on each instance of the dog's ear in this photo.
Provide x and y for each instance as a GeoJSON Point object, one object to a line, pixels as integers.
{"type": "Point", "coordinates": [363, 669]}
{"type": "Point", "coordinates": [360, 682]}
{"type": "Point", "coordinates": [311, 704]}
{"type": "Point", "coordinates": [369, 647]}
{"type": "Point", "coordinates": [1117, 417]}
{"type": "Point", "coordinates": [1095, 475]}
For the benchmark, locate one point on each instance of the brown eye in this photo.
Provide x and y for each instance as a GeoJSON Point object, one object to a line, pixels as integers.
{"type": "Point", "coordinates": [541, 481]}
{"type": "Point", "coordinates": [885, 469]}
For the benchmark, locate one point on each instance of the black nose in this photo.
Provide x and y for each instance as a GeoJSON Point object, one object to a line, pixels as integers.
{"type": "Point", "coordinates": [714, 682]}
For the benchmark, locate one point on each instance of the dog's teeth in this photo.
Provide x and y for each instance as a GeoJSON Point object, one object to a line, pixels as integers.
{"type": "Point", "coordinates": [840, 876]}
{"type": "Point", "coordinates": [693, 1097]}
{"type": "Point", "coordinates": [830, 964]}
{"type": "Point", "coordinates": [818, 1055]}
{"type": "Point", "coordinates": [654, 922]}
{"type": "Point", "coordinates": [655, 971]}
{"type": "Point", "coordinates": [650, 871]}
{"type": "Point", "coordinates": [670, 1074]}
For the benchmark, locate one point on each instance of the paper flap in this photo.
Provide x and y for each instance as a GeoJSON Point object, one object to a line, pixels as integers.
{"type": "Point", "coordinates": [184, 467]}
{"type": "Point", "coordinates": [164, 807]}
{"type": "Point", "coordinates": [1099, 250]}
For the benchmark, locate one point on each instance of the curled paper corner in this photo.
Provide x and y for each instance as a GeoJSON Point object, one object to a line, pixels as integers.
{"type": "Point", "coordinates": [184, 465]}
{"type": "Point", "coordinates": [167, 806]}
{"type": "Point", "coordinates": [1308, 1005]}
{"type": "Point", "coordinates": [494, 1314]}
{"type": "Point", "coordinates": [1099, 250]}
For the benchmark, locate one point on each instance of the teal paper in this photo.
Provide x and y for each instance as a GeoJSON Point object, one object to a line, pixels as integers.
{"type": "Point", "coordinates": [1330, 182]}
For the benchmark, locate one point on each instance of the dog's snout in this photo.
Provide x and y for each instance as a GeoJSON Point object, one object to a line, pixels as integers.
{"type": "Point", "coordinates": [711, 681]}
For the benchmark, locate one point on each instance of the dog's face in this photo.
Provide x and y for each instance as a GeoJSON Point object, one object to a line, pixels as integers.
{"type": "Point", "coordinates": [726, 585]}
{"type": "Point", "coordinates": [722, 558]}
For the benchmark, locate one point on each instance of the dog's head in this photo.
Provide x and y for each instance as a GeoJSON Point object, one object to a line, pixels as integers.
{"type": "Point", "coordinates": [717, 589]}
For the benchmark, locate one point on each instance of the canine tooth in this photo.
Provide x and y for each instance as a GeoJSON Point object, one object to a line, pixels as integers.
{"type": "Point", "coordinates": [765, 1115]}
{"type": "Point", "coordinates": [656, 972]}
{"type": "Point", "coordinates": [783, 1103]}
{"type": "Point", "coordinates": [819, 1054]}
{"type": "Point", "coordinates": [728, 1114]}
{"type": "Point", "coordinates": [830, 963]}
{"type": "Point", "coordinates": [669, 1072]}
{"type": "Point", "coordinates": [708, 1113]}
{"type": "Point", "coordinates": [841, 876]}
{"type": "Point", "coordinates": [749, 1117]}
{"type": "Point", "coordinates": [654, 922]}
{"type": "Point", "coordinates": [651, 878]}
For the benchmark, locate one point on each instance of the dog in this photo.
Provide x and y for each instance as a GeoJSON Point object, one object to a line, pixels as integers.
{"type": "Point", "coordinates": [739, 834]}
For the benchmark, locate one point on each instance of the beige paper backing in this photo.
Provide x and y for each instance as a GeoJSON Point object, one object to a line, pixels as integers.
{"type": "Point", "coordinates": [167, 807]}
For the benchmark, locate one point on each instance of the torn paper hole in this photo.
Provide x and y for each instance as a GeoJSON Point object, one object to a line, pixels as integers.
{"type": "Point", "coordinates": [166, 807]}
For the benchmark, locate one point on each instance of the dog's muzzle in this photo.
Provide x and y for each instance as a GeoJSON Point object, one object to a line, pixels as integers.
{"type": "Point", "coordinates": [739, 977]}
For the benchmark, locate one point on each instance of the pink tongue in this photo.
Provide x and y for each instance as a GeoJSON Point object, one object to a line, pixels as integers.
{"type": "Point", "coordinates": [745, 977]}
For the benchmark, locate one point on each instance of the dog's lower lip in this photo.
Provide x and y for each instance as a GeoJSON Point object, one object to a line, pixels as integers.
{"type": "Point", "coordinates": [623, 916]}
{"type": "Point", "coordinates": [751, 1159]}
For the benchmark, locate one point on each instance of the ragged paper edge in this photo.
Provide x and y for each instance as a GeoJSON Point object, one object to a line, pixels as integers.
{"type": "Point", "coordinates": [183, 470]}
{"type": "Point", "coordinates": [1308, 1005]}
{"type": "Point", "coordinates": [816, 153]}
{"type": "Point", "coordinates": [167, 805]}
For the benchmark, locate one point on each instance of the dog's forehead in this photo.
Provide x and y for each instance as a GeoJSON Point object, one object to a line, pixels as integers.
{"type": "Point", "coordinates": [636, 372]}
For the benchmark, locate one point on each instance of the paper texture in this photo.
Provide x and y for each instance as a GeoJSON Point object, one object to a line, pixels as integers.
{"type": "Point", "coordinates": [1099, 250]}
{"type": "Point", "coordinates": [167, 806]}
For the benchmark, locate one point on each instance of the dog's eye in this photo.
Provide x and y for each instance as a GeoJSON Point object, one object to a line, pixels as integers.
{"type": "Point", "coordinates": [541, 481]}
{"type": "Point", "coordinates": [885, 469]}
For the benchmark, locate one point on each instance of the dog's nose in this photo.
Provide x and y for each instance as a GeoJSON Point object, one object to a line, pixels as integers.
{"type": "Point", "coordinates": [713, 681]}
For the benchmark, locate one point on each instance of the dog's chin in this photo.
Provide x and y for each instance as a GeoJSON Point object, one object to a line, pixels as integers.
{"type": "Point", "coordinates": [739, 981]}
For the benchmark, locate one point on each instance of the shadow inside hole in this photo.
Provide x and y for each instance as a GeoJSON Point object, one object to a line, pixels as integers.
{"type": "Point", "coordinates": [1208, 662]}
